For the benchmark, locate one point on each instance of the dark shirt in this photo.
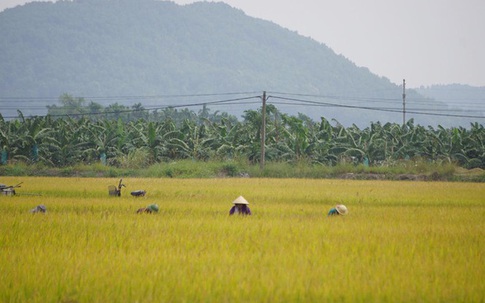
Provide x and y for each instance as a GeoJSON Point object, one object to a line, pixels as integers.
{"type": "Point", "coordinates": [144, 210]}
{"type": "Point", "coordinates": [243, 211]}
{"type": "Point", "coordinates": [333, 212]}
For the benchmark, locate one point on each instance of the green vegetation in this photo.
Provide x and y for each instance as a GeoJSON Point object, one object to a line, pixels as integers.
{"type": "Point", "coordinates": [406, 170]}
{"type": "Point", "coordinates": [400, 242]}
{"type": "Point", "coordinates": [183, 143]}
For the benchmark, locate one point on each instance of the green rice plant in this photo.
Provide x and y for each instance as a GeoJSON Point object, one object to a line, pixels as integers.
{"type": "Point", "coordinates": [135, 159]}
{"type": "Point", "coordinates": [401, 241]}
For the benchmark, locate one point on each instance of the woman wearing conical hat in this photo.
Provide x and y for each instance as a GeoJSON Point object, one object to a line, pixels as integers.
{"type": "Point", "coordinates": [39, 209]}
{"type": "Point", "coordinates": [240, 207]}
{"type": "Point", "coordinates": [339, 209]}
{"type": "Point", "coordinates": [152, 208]}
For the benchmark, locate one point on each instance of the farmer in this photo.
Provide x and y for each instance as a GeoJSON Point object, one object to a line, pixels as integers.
{"type": "Point", "coordinates": [240, 207]}
{"type": "Point", "coordinates": [339, 209]}
{"type": "Point", "coordinates": [138, 193]}
{"type": "Point", "coordinates": [152, 208]}
{"type": "Point", "coordinates": [39, 209]}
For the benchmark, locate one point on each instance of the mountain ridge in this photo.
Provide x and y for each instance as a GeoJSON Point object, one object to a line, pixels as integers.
{"type": "Point", "coordinates": [150, 48]}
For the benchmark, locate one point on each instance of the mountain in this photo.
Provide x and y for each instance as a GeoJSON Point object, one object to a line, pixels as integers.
{"type": "Point", "coordinates": [161, 54]}
{"type": "Point", "coordinates": [466, 98]}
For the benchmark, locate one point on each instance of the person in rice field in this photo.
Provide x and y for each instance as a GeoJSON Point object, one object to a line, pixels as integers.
{"type": "Point", "coordinates": [338, 210]}
{"type": "Point", "coordinates": [152, 208]}
{"type": "Point", "coordinates": [240, 207]}
{"type": "Point", "coordinates": [39, 209]}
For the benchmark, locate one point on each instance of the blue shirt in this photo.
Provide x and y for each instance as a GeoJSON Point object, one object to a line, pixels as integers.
{"type": "Point", "coordinates": [333, 212]}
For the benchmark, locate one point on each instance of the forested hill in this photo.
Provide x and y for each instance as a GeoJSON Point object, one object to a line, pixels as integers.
{"type": "Point", "coordinates": [142, 51]}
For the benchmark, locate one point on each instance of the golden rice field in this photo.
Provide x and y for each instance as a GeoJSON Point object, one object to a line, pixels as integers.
{"type": "Point", "coordinates": [401, 242]}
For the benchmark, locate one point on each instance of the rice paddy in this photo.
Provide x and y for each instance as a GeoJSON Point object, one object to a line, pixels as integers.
{"type": "Point", "coordinates": [400, 242]}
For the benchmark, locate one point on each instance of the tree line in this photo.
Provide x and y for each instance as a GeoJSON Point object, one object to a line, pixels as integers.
{"type": "Point", "coordinates": [75, 133]}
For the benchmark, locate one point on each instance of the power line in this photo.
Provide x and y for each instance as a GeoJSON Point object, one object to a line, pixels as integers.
{"type": "Point", "coordinates": [478, 106]}
{"type": "Point", "coordinates": [125, 97]}
{"type": "Point", "coordinates": [217, 102]}
{"type": "Point", "coordinates": [394, 110]}
{"type": "Point", "coordinates": [275, 96]}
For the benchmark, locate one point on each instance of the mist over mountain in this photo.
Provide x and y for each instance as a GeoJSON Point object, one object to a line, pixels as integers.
{"type": "Point", "coordinates": [457, 97]}
{"type": "Point", "coordinates": [159, 54]}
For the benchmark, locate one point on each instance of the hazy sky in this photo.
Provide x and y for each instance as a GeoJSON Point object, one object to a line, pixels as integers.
{"type": "Point", "coordinates": [423, 41]}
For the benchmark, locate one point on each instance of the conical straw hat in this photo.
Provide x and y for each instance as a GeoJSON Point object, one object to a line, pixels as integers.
{"type": "Point", "coordinates": [342, 209]}
{"type": "Point", "coordinates": [240, 200]}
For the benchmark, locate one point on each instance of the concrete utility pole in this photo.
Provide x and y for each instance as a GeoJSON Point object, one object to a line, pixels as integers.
{"type": "Point", "coordinates": [403, 101]}
{"type": "Point", "coordinates": [263, 131]}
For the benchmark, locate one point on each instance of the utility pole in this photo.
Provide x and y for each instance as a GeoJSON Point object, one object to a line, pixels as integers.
{"type": "Point", "coordinates": [403, 102]}
{"type": "Point", "coordinates": [263, 131]}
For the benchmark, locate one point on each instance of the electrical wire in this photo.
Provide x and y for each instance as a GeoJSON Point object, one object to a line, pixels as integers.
{"type": "Point", "coordinates": [394, 110]}
{"type": "Point", "coordinates": [217, 102]}
{"type": "Point", "coordinates": [280, 98]}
